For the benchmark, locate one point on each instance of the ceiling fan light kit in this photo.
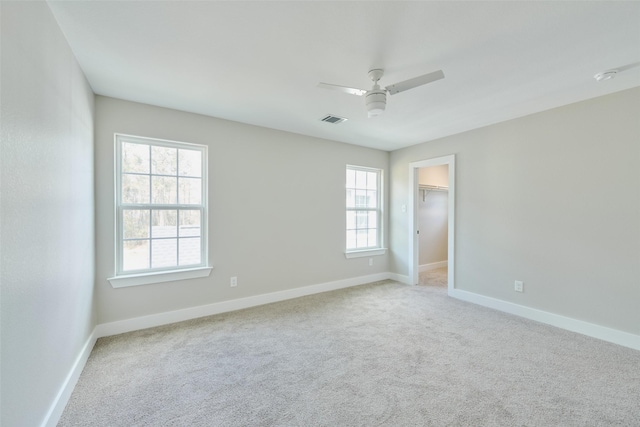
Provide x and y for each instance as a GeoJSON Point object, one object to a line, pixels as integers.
{"type": "Point", "coordinates": [376, 98]}
{"type": "Point", "coordinates": [376, 102]}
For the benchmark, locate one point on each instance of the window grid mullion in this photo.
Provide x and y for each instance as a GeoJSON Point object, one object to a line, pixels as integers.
{"type": "Point", "coordinates": [178, 176]}
{"type": "Point", "coordinates": [150, 177]}
{"type": "Point", "coordinates": [150, 207]}
{"type": "Point", "coordinates": [177, 232]}
{"type": "Point", "coordinates": [162, 207]}
{"type": "Point", "coordinates": [154, 174]}
{"type": "Point", "coordinates": [150, 235]}
{"type": "Point", "coordinates": [120, 231]}
{"type": "Point", "coordinates": [365, 187]}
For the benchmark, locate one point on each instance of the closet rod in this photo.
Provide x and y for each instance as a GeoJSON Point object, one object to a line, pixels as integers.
{"type": "Point", "coordinates": [427, 188]}
{"type": "Point", "coordinates": [433, 187]}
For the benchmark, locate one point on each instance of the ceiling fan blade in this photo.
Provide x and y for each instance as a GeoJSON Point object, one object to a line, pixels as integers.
{"type": "Point", "coordinates": [415, 82]}
{"type": "Point", "coordinates": [345, 89]}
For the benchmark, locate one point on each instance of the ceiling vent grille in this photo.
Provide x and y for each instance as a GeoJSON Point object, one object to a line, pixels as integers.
{"type": "Point", "coordinates": [333, 119]}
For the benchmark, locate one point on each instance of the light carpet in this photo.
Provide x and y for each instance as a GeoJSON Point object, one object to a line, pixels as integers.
{"type": "Point", "coordinates": [383, 354]}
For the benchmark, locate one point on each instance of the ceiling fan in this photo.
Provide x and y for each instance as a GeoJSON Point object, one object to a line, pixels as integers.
{"type": "Point", "coordinates": [376, 97]}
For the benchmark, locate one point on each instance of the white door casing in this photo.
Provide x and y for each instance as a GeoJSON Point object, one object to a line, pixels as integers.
{"type": "Point", "coordinates": [413, 217]}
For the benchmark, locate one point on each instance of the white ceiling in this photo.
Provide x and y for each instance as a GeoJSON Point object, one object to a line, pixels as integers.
{"type": "Point", "coordinates": [259, 62]}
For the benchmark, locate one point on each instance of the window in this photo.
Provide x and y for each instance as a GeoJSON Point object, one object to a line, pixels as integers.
{"type": "Point", "coordinates": [364, 213]}
{"type": "Point", "coordinates": [161, 206]}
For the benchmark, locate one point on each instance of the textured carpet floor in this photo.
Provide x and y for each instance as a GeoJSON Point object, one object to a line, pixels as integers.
{"type": "Point", "coordinates": [380, 354]}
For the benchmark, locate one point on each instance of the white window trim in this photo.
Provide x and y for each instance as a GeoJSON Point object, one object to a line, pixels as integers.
{"type": "Point", "coordinates": [361, 253]}
{"type": "Point", "coordinates": [158, 277]}
{"type": "Point", "coordinates": [135, 278]}
{"type": "Point", "coordinates": [380, 250]}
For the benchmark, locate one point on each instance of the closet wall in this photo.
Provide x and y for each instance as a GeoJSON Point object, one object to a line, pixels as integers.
{"type": "Point", "coordinates": [432, 216]}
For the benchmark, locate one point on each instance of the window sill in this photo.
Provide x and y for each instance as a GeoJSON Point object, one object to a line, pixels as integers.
{"type": "Point", "coordinates": [158, 277]}
{"type": "Point", "coordinates": [365, 253]}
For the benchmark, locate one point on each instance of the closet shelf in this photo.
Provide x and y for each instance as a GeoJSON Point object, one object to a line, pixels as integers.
{"type": "Point", "coordinates": [426, 189]}
{"type": "Point", "coordinates": [433, 188]}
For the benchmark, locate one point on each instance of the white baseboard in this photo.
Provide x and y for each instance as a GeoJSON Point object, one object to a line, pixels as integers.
{"type": "Point", "coordinates": [400, 278]}
{"type": "Point", "coordinates": [433, 266]}
{"type": "Point", "coordinates": [62, 398]}
{"type": "Point", "coordinates": [615, 336]}
{"type": "Point", "coordinates": [128, 325]}
{"type": "Point", "coordinates": [106, 329]}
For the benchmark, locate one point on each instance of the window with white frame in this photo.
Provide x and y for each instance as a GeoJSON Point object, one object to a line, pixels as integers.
{"type": "Point", "coordinates": [364, 213]}
{"type": "Point", "coordinates": [161, 205]}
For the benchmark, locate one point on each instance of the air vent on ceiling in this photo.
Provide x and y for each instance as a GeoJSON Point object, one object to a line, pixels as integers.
{"type": "Point", "coordinates": [333, 119]}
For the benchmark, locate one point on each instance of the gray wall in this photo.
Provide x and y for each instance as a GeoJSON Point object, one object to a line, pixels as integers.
{"type": "Point", "coordinates": [432, 223]}
{"type": "Point", "coordinates": [47, 232]}
{"type": "Point", "coordinates": [277, 209]}
{"type": "Point", "coordinates": [551, 199]}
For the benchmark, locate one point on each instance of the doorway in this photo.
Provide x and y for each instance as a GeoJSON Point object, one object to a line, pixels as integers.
{"type": "Point", "coordinates": [416, 194]}
{"type": "Point", "coordinates": [432, 209]}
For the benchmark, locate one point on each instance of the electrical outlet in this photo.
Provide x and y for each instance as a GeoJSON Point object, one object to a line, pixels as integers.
{"type": "Point", "coordinates": [519, 286]}
{"type": "Point", "coordinates": [370, 261]}
{"type": "Point", "coordinates": [234, 281]}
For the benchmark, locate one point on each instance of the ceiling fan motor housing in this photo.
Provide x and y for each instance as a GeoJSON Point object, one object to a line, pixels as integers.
{"type": "Point", "coordinates": [376, 101]}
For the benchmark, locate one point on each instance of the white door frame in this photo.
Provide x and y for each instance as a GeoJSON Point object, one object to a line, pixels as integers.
{"type": "Point", "coordinates": [413, 216]}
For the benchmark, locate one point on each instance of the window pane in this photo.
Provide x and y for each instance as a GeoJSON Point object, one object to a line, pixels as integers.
{"type": "Point", "coordinates": [351, 178]}
{"type": "Point", "coordinates": [135, 255]}
{"type": "Point", "coordinates": [361, 199]}
{"type": "Point", "coordinates": [190, 163]}
{"type": "Point", "coordinates": [372, 199]}
{"type": "Point", "coordinates": [164, 253]}
{"type": "Point", "coordinates": [189, 223]}
{"type": "Point", "coordinates": [361, 238]}
{"type": "Point", "coordinates": [190, 191]}
{"type": "Point", "coordinates": [351, 220]}
{"type": "Point", "coordinates": [372, 181]}
{"type": "Point", "coordinates": [164, 160]}
{"type": "Point", "coordinates": [373, 237]}
{"type": "Point", "coordinates": [135, 188]}
{"type": "Point", "coordinates": [361, 219]}
{"type": "Point", "coordinates": [361, 179]}
{"type": "Point", "coordinates": [135, 158]}
{"type": "Point", "coordinates": [373, 220]}
{"type": "Point", "coordinates": [351, 198]}
{"type": "Point", "coordinates": [363, 215]}
{"type": "Point", "coordinates": [164, 190]}
{"type": "Point", "coordinates": [351, 239]}
{"type": "Point", "coordinates": [135, 223]}
{"type": "Point", "coordinates": [156, 179]}
{"type": "Point", "coordinates": [164, 223]}
{"type": "Point", "coordinates": [190, 251]}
